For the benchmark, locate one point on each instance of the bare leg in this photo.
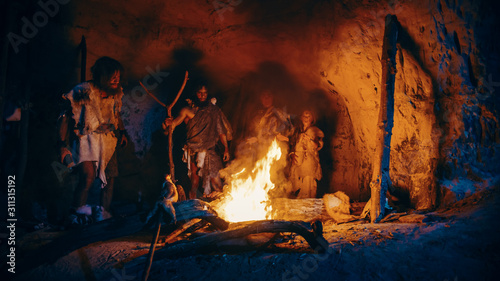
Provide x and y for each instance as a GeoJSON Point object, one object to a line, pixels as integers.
{"type": "Point", "coordinates": [87, 177]}
{"type": "Point", "coordinates": [216, 184]}
{"type": "Point", "coordinates": [195, 180]}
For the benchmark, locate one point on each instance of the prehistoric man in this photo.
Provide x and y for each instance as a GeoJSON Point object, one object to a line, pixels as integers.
{"type": "Point", "coordinates": [95, 113]}
{"type": "Point", "coordinates": [305, 167]}
{"type": "Point", "coordinates": [206, 125]}
{"type": "Point", "coordinates": [269, 123]}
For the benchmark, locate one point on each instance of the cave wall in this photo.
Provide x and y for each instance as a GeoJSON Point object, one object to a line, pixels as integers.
{"type": "Point", "coordinates": [441, 89]}
{"type": "Point", "coordinates": [319, 54]}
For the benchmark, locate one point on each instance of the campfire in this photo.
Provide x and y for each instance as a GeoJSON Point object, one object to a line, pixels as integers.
{"type": "Point", "coordinates": [246, 197]}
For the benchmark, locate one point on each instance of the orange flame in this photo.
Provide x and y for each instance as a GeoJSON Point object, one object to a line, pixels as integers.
{"type": "Point", "coordinates": [247, 196]}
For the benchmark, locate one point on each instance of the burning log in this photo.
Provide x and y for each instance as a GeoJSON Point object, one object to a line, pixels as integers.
{"type": "Point", "coordinates": [195, 208]}
{"type": "Point", "coordinates": [332, 206]}
{"type": "Point", "coordinates": [310, 209]}
{"type": "Point", "coordinates": [192, 223]}
{"type": "Point", "coordinates": [312, 233]}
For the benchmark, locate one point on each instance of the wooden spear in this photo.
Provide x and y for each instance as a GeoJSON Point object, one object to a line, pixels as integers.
{"type": "Point", "coordinates": [172, 175]}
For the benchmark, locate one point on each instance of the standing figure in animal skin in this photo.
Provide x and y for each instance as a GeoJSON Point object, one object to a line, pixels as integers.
{"type": "Point", "coordinates": [305, 167]}
{"type": "Point", "coordinates": [206, 126]}
{"type": "Point", "coordinates": [90, 130]}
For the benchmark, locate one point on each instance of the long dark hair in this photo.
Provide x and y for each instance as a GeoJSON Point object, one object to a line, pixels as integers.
{"type": "Point", "coordinates": [197, 88]}
{"type": "Point", "coordinates": [104, 68]}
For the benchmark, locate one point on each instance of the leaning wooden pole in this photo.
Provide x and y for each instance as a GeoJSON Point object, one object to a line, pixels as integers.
{"type": "Point", "coordinates": [149, 260]}
{"type": "Point", "coordinates": [152, 247]}
{"type": "Point", "coordinates": [171, 129]}
{"type": "Point", "coordinates": [380, 178]}
{"type": "Point", "coordinates": [169, 113]}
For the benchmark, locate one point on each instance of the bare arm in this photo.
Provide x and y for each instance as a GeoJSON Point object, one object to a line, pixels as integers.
{"type": "Point", "coordinates": [223, 139]}
{"type": "Point", "coordinates": [63, 128]}
{"type": "Point", "coordinates": [185, 113]}
{"type": "Point", "coordinates": [123, 132]}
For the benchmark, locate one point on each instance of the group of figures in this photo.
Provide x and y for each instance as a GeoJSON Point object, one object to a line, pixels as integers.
{"type": "Point", "coordinates": [298, 172]}
{"type": "Point", "coordinates": [91, 128]}
{"type": "Point", "coordinates": [207, 126]}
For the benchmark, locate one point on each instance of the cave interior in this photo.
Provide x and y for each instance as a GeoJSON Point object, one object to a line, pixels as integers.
{"type": "Point", "coordinates": [321, 55]}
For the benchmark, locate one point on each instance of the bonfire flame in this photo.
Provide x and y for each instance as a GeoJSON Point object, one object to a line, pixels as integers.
{"type": "Point", "coordinates": [246, 196]}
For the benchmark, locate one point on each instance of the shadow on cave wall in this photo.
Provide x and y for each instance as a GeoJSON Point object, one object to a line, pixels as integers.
{"type": "Point", "coordinates": [292, 97]}
{"type": "Point", "coordinates": [407, 43]}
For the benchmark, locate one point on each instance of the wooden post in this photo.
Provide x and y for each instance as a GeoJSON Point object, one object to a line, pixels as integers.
{"type": "Point", "coordinates": [380, 178]}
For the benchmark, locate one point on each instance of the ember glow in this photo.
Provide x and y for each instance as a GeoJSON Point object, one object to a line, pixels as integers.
{"type": "Point", "coordinates": [246, 196]}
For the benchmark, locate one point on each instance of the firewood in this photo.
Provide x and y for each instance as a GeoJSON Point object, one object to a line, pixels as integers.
{"type": "Point", "coordinates": [110, 229]}
{"type": "Point", "coordinates": [309, 209]}
{"type": "Point", "coordinates": [312, 233]}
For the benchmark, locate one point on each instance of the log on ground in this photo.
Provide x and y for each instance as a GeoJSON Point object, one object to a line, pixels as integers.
{"type": "Point", "coordinates": [113, 228]}
{"type": "Point", "coordinates": [312, 233]}
{"type": "Point", "coordinates": [308, 210]}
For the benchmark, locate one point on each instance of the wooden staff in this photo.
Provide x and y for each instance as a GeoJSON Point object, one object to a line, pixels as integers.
{"type": "Point", "coordinates": [170, 130]}
{"type": "Point", "coordinates": [172, 175]}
